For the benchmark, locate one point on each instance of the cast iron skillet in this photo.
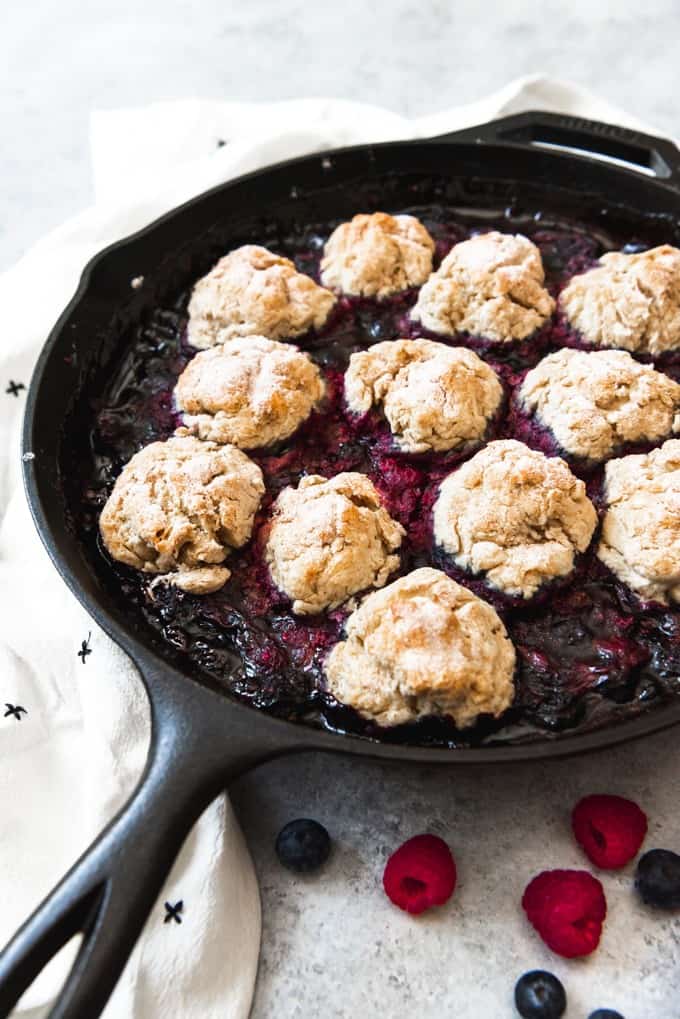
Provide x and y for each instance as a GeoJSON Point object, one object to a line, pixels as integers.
{"type": "Point", "coordinates": [202, 739]}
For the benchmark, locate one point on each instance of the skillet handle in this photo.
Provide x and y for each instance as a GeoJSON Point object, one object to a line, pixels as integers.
{"type": "Point", "coordinates": [110, 891]}
{"type": "Point", "coordinates": [658, 157]}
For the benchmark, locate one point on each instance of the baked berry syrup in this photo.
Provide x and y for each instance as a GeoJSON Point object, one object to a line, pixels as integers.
{"type": "Point", "coordinates": [588, 651]}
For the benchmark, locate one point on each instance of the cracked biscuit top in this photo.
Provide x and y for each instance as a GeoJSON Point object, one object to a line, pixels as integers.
{"type": "Point", "coordinates": [640, 539]}
{"type": "Point", "coordinates": [253, 292]}
{"type": "Point", "coordinates": [179, 507]}
{"type": "Point", "coordinates": [594, 402]}
{"type": "Point", "coordinates": [377, 255]}
{"type": "Point", "coordinates": [628, 301]}
{"type": "Point", "coordinates": [515, 515]}
{"type": "Point", "coordinates": [434, 397]}
{"type": "Point", "coordinates": [251, 392]}
{"type": "Point", "coordinates": [490, 286]}
{"type": "Point", "coordinates": [329, 539]}
{"type": "Point", "coordinates": [424, 645]}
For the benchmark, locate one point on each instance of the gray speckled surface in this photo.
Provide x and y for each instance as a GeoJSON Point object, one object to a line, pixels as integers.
{"type": "Point", "coordinates": [333, 945]}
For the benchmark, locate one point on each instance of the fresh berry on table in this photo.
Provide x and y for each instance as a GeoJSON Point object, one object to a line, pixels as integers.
{"type": "Point", "coordinates": [420, 874]}
{"type": "Point", "coordinates": [657, 878]}
{"type": "Point", "coordinates": [610, 829]}
{"type": "Point", "coordinates": [540, 995]}
{"type": "Point", "coordinates": [567, 908]}
{"type": "Point", "coordinates": [303, 845]}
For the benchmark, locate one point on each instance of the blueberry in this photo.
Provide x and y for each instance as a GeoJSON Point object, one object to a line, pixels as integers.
{"type": "Point", "coordinates": [605, 1013]}
{"type": "Point", "coordinates": [540, 995]}
{"type": "Point", "coordinates": [303, 845]}
{"type": "Point", "coordinates": [657, 878]}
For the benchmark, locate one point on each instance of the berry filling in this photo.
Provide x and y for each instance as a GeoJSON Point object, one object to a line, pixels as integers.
{"type": "Point", "coordinates": [567, 908]}
{"type": "Point", "coordinates": [420, 874]}
{"type": "Point", "coordinates": [589, 653]}
{"type": "Point", "coordinates": [610, 829]}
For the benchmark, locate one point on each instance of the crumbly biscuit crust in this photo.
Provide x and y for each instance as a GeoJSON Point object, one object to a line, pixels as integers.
{"type": "Point", "coordinates": [595, 401]}
{"type": "Point", "coordinates": [515, 515]}
{"type": "Point", "coordinates": [424, 645]}
{"type": "Point", "coordinates": [179, 507]}
{"type": "Point", "coordinates": [251, 392]}
{"type": "Point", "coordinates": [329, 539]}
{"type": "Point", "coordinates": [628, 301]}
{"type": "Point", "coordinates": [640, 539]}
{"type": "Point", "coordinates": [253, 292]}
{"type": "Point", "coordinates": [489, 286]}
{"type": "Point", "coordinates": [377, 255]}
{"type": "Point", "coordinates": [434, 397]}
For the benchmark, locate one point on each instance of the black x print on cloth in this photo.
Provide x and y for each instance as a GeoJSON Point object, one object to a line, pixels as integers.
{"type": "Point", "coordinates": [173, 912]}
{"type": "Point", "coordinates": [14, 388]}
{"type": "Point", "coordinates": [85, 649]}
{"type": "Point", "coordinates": [15, 710]}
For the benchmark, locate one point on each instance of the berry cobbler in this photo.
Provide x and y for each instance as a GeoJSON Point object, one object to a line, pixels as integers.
{"type": "Point", "coordinates": [376, 475]}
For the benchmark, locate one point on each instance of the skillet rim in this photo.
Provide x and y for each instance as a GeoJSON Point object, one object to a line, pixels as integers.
{"type": "Point", "coordinates": [154, 668]}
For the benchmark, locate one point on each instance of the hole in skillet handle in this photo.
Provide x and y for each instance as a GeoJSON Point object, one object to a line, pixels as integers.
{"type": "Point", "coordinates": [591, 139]}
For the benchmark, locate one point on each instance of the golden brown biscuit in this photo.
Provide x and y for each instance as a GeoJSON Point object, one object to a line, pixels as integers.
{"type": "Point", "coordinates": [489, 286]}
{"type": "Point", "coordinates": [179, 507]}
{"type": "Point", "coordinates": [515, 515]}
{"type": "Point", "coordinates": [640, 539]}
{"type": "Point", "coordinates": [377, 255]}
{"type": "Point", "coordinates": [424, 645]}
{"type": "Point", "coordinates": [330, 539]}
{"type": "Point", "coordinates": [250, 392]}
{"type": "Point", "coordinates": [434, 397]}
{"type": "Point", "coordinates": [595, 401]}
{"type": "Point", "coordinates": [628, 301]}
{"type": "Point", "coordinates": [253, 292]}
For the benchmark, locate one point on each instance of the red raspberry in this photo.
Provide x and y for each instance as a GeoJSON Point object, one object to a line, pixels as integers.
{"type": "Point", "coordinates": [420, 874]}
{"type": "Point", "coordinates": [567, 908]}
{"type": "Point", "coordinates": [610, 829]}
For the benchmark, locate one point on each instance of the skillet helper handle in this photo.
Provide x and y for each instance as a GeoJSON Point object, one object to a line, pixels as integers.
{"type": "Point", "coordinates": [109, 893]}
{"type": "Point", "coordinates": [659, 157]}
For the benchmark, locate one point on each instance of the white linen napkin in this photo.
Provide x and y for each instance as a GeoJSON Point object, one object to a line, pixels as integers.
{"type": "Point", "coordinates": [75, 730]}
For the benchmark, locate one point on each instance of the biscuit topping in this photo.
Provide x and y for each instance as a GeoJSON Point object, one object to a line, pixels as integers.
{"type": "Point", "coordinates": [515, 515]}
{"type": "Point", "coordinates": [434, 397]}
{"type": "Point", "coordinates": [250, 392]}
{"type": "Point", "coordinates": [179, 507]}
{"type": "Point", "coordinates": [628, 301]}
{"type": "Point", "coordinates": [595, 401]}
{"type": "Point", "coordinates": [253, 292]}
{"type": "Point", "coordinates": [640, 540]}
{"type": "Point", "coordinates": [424, 645]}
{"type": "Point", "coordinates": [330, 539]}
{"type": "Point", "coordinates": [490, 286]}
{"type": "Point", "coordinates": [377, 255]}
